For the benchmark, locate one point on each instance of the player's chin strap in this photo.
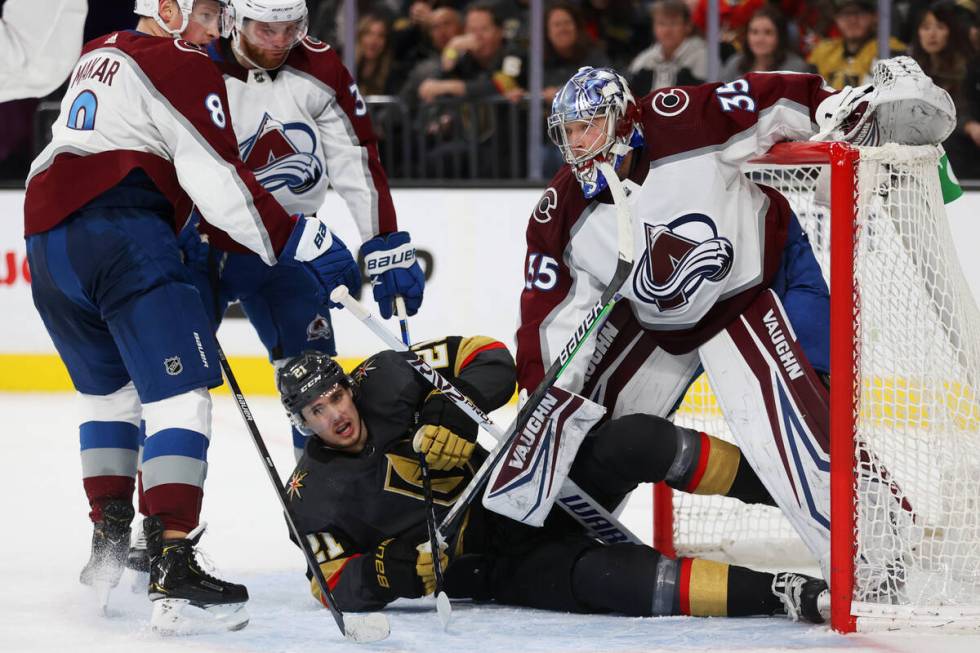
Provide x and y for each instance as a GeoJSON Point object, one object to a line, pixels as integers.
{"type": "Point", "coordinates": [443, 608]}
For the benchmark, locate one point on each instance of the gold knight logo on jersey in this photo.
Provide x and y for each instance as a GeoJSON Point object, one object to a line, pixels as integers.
{"type": "Point", "coordinates": [678, 258]}
{"type": "Point", "coordinates": [283, 155]}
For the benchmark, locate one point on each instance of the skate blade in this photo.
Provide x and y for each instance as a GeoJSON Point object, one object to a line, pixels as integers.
{"type": "Point", "coordinates": [371, 627]}
{"type": "Point", "coordinates": [139, 581]}
{"type": "Point", "coordinates": [181, 617]}
{"type": "Point", "coordinates": [102, 590]}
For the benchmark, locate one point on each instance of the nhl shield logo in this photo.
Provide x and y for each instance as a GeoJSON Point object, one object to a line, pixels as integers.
{"type": "Point", "coordinates": [679, 257]}
{"type": "Point", "coordinates": [173, 366]}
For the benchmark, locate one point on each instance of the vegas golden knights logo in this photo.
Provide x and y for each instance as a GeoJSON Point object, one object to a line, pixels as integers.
{"type": "Point", "coordinates": [404, 477]}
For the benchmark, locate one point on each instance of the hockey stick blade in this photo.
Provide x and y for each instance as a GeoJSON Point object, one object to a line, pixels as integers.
{"type": "Point", "coordinates": [366, 628]}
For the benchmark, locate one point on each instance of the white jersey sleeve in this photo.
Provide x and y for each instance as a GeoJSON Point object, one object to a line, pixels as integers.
{"type": "Point", "coordinates": [39, 42]}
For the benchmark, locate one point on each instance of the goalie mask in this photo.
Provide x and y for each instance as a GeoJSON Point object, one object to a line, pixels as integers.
{"type": "Point", "coordinates": [264, 31]}
{"type": "Point", "coordinates": [594, 118]}
{"type": "Point", "coordinates": [208, 13]}
{"type": "Point", "coordinates": [304, 378]}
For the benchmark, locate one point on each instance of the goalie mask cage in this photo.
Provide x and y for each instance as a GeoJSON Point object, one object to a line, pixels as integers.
{"type": "Point", "coordinates": [905, 415]}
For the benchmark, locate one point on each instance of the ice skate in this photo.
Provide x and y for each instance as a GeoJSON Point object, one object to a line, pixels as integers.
{"type": "Point", "coordinates": [804, 597]}
{"type": "Point", "coordinates": [110, 545]}
{"type": "Point", "coordinates": [186, 599]}
{"type": "Point", "coordinates": [138, 562]}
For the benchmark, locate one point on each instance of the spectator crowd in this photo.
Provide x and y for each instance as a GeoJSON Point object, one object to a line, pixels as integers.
{"type": "Point", "coordinates": [425, 52]}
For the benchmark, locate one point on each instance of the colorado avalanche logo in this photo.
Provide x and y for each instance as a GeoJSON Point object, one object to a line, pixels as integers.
{"type": "Point", "coordinates": [283, 154]}
{"type": "Point", "coordinates": [679, 256]}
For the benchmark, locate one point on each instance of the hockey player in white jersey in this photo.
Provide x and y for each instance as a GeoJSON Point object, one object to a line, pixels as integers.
{"type": "Point", "coordinates": [302, 127]}
{"type": "Point", "coordinates": [143, 134]}
{"type": "Point", "coordinates": [724, 277]}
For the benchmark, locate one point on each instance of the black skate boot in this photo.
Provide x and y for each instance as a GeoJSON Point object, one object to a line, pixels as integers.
{"type": "Point", "coordinates": [804, 597]}
{"type": "Point", "coordinates": [110, 545]}
{"type": "Point", "coordinates": [186, 599]}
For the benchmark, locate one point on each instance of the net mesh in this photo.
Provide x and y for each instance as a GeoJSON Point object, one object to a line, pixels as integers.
{"type": "Point", "coordinates": [918, 415]}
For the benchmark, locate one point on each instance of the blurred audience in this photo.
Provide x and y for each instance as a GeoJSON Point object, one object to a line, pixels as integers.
{"type": "Point", "coordinates": [424, 50]}
{"type": "Point", "coordinates": [476, 64]}
{"type": "Point", "coordinates": [846, 60]}
{"type": "Point", "coordinates": [677, 57]}
{"type": "Point", "coordinates": [567, 46]}
{"type": "Point", "coordinates": [376, 72]}
{"type": "Point", "coordinates": [764, 46]}
{"type": "Point", "coordinates": [620, 27]}
{"type": "Point", "coordinates": [941, 46]}
{"type": "Point", "coordinates": [443, 24]}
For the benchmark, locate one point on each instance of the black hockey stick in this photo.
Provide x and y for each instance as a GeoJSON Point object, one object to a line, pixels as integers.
{"type": "Point", "coordinates": [369, 627]}
{"type": "Point", "coordinates": [608, 527]}
{"type": "Point", "coordinates": [443, 607]}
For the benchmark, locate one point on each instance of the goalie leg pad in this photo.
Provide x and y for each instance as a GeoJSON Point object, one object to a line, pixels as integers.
{"type": "Point", "coordinates": [778, 411]}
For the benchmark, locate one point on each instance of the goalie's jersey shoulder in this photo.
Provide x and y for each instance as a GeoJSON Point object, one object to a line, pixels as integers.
{"type": "Point", "coordinates": [557, 210]}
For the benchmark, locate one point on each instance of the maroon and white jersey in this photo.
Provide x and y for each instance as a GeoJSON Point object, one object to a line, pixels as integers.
{"type": "Point", "coordinates": [303, 128]}
{"type": "Point", "coordinates": [706, 239]}
{"type": "Point", "coordinates": [158, 104]}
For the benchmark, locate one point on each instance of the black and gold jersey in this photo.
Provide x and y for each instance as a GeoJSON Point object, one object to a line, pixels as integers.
{"type": "Point", "coordinates": [348, 503]}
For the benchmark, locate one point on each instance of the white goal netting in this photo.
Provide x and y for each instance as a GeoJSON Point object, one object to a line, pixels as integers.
{"type": "Point", "coordinates": [917, 439]}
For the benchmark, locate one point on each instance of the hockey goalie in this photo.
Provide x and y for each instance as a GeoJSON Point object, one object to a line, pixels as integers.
{"type": "Point", "coordinates": [724, 278]}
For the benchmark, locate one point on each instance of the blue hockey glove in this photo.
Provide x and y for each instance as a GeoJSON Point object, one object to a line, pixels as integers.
{"type": "Point", "coordinates": [323, 255]}
{"type": "Point", "coordinates": [391, 264]}
{"type": "Point", "coordinates": [194, 248]}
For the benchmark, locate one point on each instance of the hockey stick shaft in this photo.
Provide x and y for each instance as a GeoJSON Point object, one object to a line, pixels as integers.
{"type": "Point", "coordinates": [586, 510]}
{"type": "Point", "coordinates": [610, 295]}
{"type": "Point", "coordinates": [304, 544]}
{"type": "Point", "coordinates": [430, 512]}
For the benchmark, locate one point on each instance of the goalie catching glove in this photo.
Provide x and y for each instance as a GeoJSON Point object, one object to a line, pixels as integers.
{"type": "Point", "coordinates": [323, 255]}
{"type": "Point", "coordinates": [901, 105]}
{"type": "Point", "coordinates": [391, 264]}
{"type": "Point", "coordinates": [402, 569]}
{"type": "Point", "coordinates": [447, 436]}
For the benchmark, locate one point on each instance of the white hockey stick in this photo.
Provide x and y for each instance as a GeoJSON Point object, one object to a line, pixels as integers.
{"type": "Point", "coordinates": [587, 511]}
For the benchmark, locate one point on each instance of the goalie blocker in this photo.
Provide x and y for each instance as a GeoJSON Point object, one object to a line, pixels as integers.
{"type": "Point", "coordinates": [357, 496]}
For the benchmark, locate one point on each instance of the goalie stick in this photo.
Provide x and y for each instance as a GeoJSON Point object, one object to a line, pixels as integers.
{"type": "Point", "coordinates": [443, 607]}
{"type": "Point", "coordinates": [577, 503]}
{"type": "Point", "coordinates": [360, 628]}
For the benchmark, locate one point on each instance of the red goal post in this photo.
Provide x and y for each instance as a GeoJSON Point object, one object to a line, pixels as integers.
{"type": "Point", "coordinates": [905, 415]}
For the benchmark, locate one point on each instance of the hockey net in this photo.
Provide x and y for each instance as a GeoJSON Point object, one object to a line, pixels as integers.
{"type": "Point", "coordinates": [905, 422]}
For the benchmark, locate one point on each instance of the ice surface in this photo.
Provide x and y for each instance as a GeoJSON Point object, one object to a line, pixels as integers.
{"type": "Point", "coordinates": [46, 535]}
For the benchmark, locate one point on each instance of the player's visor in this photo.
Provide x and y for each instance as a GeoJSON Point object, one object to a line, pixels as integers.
{"type": "Point", "coordinates": [279, 36]}
{"type": "Point", "coordinates": [210, 14]}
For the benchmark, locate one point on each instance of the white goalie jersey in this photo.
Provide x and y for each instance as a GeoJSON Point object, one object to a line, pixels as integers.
{"type": "Point", "coordinates": [706, 239]}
